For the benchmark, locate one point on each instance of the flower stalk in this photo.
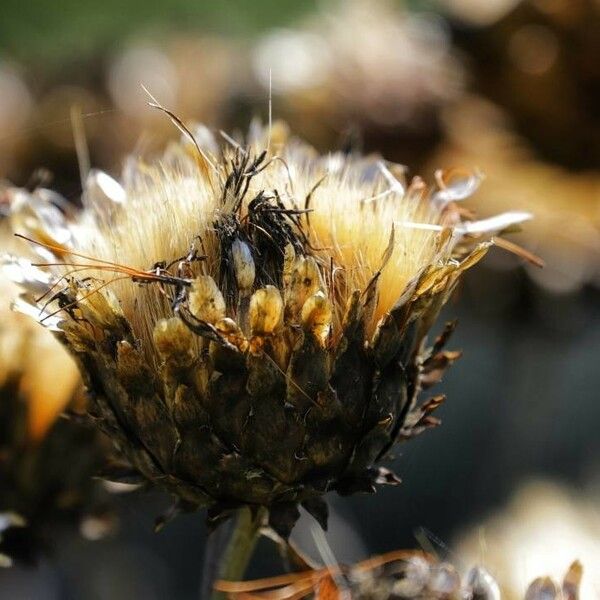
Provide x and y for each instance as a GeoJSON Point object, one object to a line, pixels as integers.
{"type": "Point", "coordinates": [235, 558]}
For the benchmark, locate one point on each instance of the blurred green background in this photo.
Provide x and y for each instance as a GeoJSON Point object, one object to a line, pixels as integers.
{"type": "Point", "coordinates": [54, 33]}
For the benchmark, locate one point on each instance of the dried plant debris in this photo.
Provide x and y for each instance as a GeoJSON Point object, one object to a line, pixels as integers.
{"type": "Point", "coordinates": [399, 575]}
{"type": "Point", "coordinates": [251, 321]}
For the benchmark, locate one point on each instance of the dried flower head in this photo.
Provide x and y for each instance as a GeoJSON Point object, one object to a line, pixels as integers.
{"type": "Point", "coordinates": [251, 320]}
{"type": "Point", "coordinates": [539, 532]}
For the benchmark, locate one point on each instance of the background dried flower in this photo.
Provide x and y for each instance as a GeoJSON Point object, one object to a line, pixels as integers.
{"type": "Point", "coordinates": [403, 575]}
{"type": "Point", "coordinates": [366, 73]}
{"type": "Point", "coordinates": [539, 532]}
{"type": "Point", "coordinates": [46, 461]}
{"type": "Point", "coordinates": [566, 204]}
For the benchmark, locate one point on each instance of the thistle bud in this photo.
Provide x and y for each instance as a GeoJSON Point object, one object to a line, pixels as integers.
{"type": "Point", "coordinates": [243, 265]}
{"type": "Point", "coordinates": [266, 311]}
{"type": "Point", "coordinates": [304, 281]}
{"type": "Point", "coordinates": [316, 316]}
{"type": "Point", "coordinates": [206, 300]}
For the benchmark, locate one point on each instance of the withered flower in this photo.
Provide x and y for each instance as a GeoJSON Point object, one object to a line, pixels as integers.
{"type": "Point", "coordinates": [251, 320]}
{"type": "Point", "coordinates": [46, 462]}
{"type": "Point", "coordinates": [544, 526]}
{"type": "Point", "coordinates": [387, 70]}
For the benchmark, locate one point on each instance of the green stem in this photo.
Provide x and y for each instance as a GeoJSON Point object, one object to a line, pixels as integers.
{"type": "Point", "coordinates": [240, 547]}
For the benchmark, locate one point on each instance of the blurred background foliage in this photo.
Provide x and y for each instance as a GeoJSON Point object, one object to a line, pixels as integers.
{"type": "Point", "coordinates": [50, 34]}
{"type": "Point", "coordinates": [509, 86]}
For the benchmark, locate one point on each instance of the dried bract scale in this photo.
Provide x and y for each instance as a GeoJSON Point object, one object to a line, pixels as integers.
{"type": "Point", "coordinates": [543, 588]}
{"type": "Point", "coordinates": [482, 585]}
{"type": "Point", "coordinates": [252, 324]}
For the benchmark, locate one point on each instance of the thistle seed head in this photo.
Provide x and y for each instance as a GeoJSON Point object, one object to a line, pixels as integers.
{"type": "Point", "coordinates": [252, 323]}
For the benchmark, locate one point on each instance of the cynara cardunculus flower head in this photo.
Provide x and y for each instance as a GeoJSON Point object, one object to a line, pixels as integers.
{"type": "Point", "coordinates": [250, 318]}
